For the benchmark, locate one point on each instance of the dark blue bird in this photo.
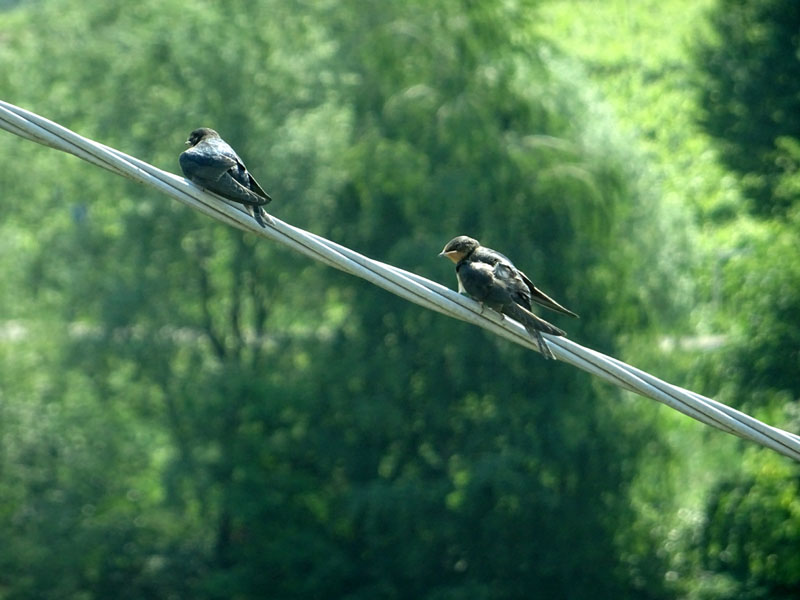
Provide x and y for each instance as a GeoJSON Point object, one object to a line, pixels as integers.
{"type": "Point", "coordinates": [492, 279]}
{"type": "Point", "coordinates": [212, 164]}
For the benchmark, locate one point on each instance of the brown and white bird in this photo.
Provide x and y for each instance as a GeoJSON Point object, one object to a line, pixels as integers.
{"type": "Point", "coordinates": [492, 279]}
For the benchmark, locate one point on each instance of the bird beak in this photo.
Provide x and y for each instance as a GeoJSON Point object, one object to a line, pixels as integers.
{"type": "Point", "coordinates": [453, 255]}
{"type": "Point", "coordinates": [188, 142]}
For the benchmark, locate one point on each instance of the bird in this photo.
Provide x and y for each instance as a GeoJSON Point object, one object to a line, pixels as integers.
{"type": "Point", "coordinates": [211, 163]}
{"type": "Point", "coordinates": [492, 279]}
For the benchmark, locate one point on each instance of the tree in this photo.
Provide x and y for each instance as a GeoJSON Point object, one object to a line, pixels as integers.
{"type": "Point", "coordinates": [749, 78]}
{"type": "Point", "coordinates": [304, 432]}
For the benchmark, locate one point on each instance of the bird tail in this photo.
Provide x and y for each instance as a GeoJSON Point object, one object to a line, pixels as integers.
{"type": "Point", "coordinates": [534, 326]}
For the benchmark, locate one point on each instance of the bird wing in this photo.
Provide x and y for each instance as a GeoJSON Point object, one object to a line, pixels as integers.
{"type": "Point", "coordinates": [524, 291]}
{"type": "Point", "coordinates": [202, 165]}
{"type": "Point", "coordinates": [543, 299]}
{"type": "Point", "coordinates": [243, 176]}
{"type": "Point", "coordinates": [510, 279]}
{"type": "Point", "coordinates": [477, 279]}
{"type": "Point", "coordinates": [239, 171]}
{"type": "Point", "coordinates": [231, 189]}
{"type": "Point", "coordinates": [257, 188]}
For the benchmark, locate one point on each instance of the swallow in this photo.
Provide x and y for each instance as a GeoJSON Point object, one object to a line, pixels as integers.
{"type": "Point", "coordinates": [212, 164]}
{"type": "Point", "coordinates": [492, 279]}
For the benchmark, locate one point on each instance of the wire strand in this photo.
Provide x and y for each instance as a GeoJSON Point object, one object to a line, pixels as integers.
{"type": "Point", "coordinates": [407, 285]}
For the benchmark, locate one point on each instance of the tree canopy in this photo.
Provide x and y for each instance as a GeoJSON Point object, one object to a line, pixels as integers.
{"type": "Point", "coordinates": [187, 411]}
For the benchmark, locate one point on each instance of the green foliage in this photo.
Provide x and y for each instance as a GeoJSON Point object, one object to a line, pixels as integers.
{"type": "Point", "coordinates": [210, 416]}
{"type": "Point", "coordinates": [759, 281]}
{"type": "Point", "coordinates": [749, 76]}
{"type": "Point", "coordinates": [750, 84]}
{"type": "Point", "coordinates": [746, 545]}
{"type": "Point", "coordinates": [743, 276]}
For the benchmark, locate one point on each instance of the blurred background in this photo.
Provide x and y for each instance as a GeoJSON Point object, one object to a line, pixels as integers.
{"type": "Point", "coordinates": [187, 411]}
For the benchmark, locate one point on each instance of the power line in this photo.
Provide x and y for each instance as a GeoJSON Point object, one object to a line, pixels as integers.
{"type": "Point", "coordinates": [409, 286]}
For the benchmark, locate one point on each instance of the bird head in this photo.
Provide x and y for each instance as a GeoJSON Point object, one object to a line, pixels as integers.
{"type": "Point", "coordinates": [199, 135]}
{"type": "Point", "coordinates": [459, 248]}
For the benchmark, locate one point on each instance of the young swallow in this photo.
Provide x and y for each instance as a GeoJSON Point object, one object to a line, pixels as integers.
{"type": "Point", "coordinates": [212, 164]}
{"type": "Point", "coordinates": [492, 279]}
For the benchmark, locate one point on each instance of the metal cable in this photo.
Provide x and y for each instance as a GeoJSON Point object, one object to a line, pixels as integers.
{"type": "Point", "coordinates": [409, 286]}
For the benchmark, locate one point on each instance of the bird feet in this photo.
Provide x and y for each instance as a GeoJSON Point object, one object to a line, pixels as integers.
{"type": "Point", "coordinates": [263, 218]}
{"type": "Point", "coordinates": [547, 354]}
